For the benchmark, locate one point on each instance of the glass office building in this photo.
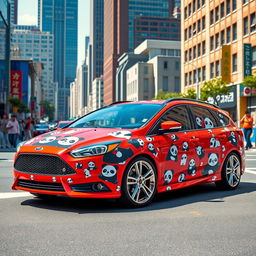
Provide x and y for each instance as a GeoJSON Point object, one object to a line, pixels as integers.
{"type": "Point", "coordinates": [60, 19]}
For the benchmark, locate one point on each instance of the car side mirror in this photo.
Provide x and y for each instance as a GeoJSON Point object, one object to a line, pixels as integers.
{"type": "Point", "coordinates": [169, 127]}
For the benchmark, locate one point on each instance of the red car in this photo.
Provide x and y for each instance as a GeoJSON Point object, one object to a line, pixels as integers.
{"type": "Point", "coordinates": [133, 150]}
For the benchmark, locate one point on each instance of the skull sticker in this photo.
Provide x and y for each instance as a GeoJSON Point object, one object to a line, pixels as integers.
{"type": "Point", "coordinates": [183, 160]}
{"type": "Point", "coordinates": [192, 167]}
{"type": "Point", "coordinates": [200, 152]}
{"type": "Point", "coordinates": [173, 153]}
{"type": "Point", "coordinates": [182, 177]}
{"type": "Point", "coordinates": [168, 175]}
{"type": "Point", "coordinates": [185, 146]}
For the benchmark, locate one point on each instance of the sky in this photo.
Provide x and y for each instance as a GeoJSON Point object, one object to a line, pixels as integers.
{"type": "Point", "coordinates": [27, 15]}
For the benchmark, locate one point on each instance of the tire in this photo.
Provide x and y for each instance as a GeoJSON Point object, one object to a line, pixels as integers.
{"type": "Point", "coordinates": [43, 196]}
{"type": "Point", "coordinates": [139, 183]}
{"type": "Point", "coordinates": [231, 173]}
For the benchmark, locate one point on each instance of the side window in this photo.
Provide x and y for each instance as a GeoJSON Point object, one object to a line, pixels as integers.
{"type": "Point", "coordinates": [204, 119]}
{"type": "Point", "coordinates": [178, 114]}
{"type": "Point", "coordinates": [222, 119]}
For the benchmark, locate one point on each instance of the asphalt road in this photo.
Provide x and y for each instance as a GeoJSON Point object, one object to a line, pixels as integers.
{"type": "Point", "coordinates": [197, 221]}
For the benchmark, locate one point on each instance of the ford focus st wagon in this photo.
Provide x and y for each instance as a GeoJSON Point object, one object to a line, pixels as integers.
{"type": "Point", "coordinates": [133, 150]}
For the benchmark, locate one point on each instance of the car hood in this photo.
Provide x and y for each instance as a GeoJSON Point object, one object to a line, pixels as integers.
{"type": "Point", "coordinates": [67, 139]}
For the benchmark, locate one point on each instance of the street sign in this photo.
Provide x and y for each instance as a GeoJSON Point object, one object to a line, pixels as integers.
{"type": "Point", "coordinates": [226, 64]}
{"type": "Point", "coordinates": [247, 60]}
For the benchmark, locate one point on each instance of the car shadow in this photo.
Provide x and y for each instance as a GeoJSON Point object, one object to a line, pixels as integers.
{"type": "Point", "coordinates": [168, 200]}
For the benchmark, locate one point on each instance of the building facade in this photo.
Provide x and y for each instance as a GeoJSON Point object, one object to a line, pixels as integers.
{"type": "Point", "coordinates": [60, 19]}
{"type": "Point", "coordinates": [39, 47]}
{"type": "Point", "coordinates": [97, 93]}
{"type": "Point", "coordinates": [14, 11]}
{"type": "Point", "coordinates": [161, 73]}
{"type": "Point", "coordinates": [207, 27]}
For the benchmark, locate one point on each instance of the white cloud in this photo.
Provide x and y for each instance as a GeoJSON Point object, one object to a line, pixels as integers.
{"type": "Point", "coordinates": [27, 19]}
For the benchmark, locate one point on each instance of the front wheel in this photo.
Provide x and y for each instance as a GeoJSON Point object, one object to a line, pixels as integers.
{"type": "Point", "coordinates": [231, 173]}
{"type": "Point", "coordinates": [139, 182]}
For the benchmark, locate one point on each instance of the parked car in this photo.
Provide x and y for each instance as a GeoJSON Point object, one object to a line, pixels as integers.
{"type": "Point", "coordinates": [133, 150]}
{"type": "Point", "coordinates": [40, 129]}
{"type": "Point", "coordinates": [62, 124]}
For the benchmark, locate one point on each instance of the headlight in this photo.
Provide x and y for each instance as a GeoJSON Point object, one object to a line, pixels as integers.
{"type": "Point", "coordinates": [95, 150]}
{"type": "Point", "coordinates": [20, 145]}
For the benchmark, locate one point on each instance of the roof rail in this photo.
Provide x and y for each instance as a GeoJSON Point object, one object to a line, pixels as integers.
{"type": "Point", "coordinates": [117, 102]}
{"type": "Point", "coordinates": [192, 100]}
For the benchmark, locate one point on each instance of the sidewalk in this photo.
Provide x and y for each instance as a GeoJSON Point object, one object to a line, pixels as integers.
{"type": "Point", "coordinates": [4, 150]}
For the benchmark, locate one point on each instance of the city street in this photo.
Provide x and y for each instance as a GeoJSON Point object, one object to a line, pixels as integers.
{"type": "Point", "coordinates": [195, 221]}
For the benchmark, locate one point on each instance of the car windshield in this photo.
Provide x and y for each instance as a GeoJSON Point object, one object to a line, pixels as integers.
{"type": "Point", "coordinates": [124, 116]}
{"type": "Point", "coordinates": [41, 126]}
{"type": "Point", "coordinates": [61, 125]}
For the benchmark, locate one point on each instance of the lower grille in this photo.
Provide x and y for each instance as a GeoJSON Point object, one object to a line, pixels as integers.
{"type": "Point", "coordinates": [40, 185]}
{"type": "Point", "coordinates": [42, 164]}
{"type": "Point", "coordinates": [90, 187]}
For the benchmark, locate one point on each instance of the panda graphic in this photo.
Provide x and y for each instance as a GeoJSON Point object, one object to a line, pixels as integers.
{"type": "Point", "coordinates": [213, 164]}
{"type": "Point", "coordinates": [232, 139]}
{"type": "Point", "coordinates": [151, 148]}
{"type": "Point", "coordinates": [183, 160]}
{"type": "Point", "coordinates": [149, 139]}
{"type": "Point", "coordinates": [79, 165]}
{"type": "Point", "coordinates": [199, 122]}
{"type": "Point", "coordinates": [121, 134]}
{"type": "Point", "coordinates": [168, 175]}
{"type": "Point", "coordinates": [214, 143]}
{"type": "Point", "coordinates": [173, 153]}
{"type": "Point", "coordinates": [208, 124]}
{"type": "Point", "coordinates": [118, 156]}
{"type": "Point", "coordinates": [192, 167]}
{"type": "Point", "coordinates": [185, 146]}
{"type": "Point", "coordinates": [200, 152]}
{"type": "Point", "coordinates": [91, 166]}
{"type": "Point", "coordinates": [137, 143]}
{"type": "Point", "coordinates": [64, 142]}
{"type": "Point", "coordinates": [109, 173]}
{"type": "Point", "coordinates": [174, 137]}
{"type": "Point", "coordinates": [182, 177]}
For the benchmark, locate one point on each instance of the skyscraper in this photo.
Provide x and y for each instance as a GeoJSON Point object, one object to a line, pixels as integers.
{"type": "Point", "coordinates": [14, 11]}
{"type": "Point", "coordinates": [119, 36]}
{"type": "Point", "coordinates": [60, 19]}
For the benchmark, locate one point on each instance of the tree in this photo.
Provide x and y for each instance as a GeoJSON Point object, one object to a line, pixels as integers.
{"type": "Point", "coordinates": [18, 105]}
{"type": "Point", "coordinates": [48, 109]}
{"type": "Point", "coordinates": [213, 88]}
{"type": "Point", "coordinates": [191, 94]}
{"type": "Point", "coordinates": [249, 81]}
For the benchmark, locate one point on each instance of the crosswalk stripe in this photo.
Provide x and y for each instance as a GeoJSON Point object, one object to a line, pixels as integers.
{"type": "Point", "coordinates": [7, 195]}
{"type": "Point", "coordinates": [250, 171]}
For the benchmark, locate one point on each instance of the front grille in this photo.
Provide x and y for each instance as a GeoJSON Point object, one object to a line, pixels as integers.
{"type": "Point", "coordinates": [42, 164]}
{"type": "Point", "coordinates": [40, 185]}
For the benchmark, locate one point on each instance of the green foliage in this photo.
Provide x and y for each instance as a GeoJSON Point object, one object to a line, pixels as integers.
{"type": "Point", "coordinates": [22, 108]}
{"type": "Point", "coordinates": [191, 94]}
{"type": "Point", "coordinates": [48, 109]}
{"type": "Point", "coordinates": [213, 88]}
{"type": "Point", "coordinates": [250, 81]}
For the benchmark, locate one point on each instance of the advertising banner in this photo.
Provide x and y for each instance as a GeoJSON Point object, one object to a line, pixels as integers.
{"type": "Point", "coordinates": [247, 60]}
{"type": "Point", "coordinates": [226, 63]}
{"type": "Point", "coordinates": [16, 84]}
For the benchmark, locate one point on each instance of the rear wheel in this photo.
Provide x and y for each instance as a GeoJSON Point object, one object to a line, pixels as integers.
{"type": "Point", "coordinates": [139, 183]}
{"type": "Point", "coordinates": [231, 173]}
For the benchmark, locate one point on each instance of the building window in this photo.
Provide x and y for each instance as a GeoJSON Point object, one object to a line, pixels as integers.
{"type": "Point", "coordinates": [222, 37]}
{"type": "Point", "coordinates": [186, 56]}
{"type": "Point", "coordinates": [253, 22]}
{"type": "Point", "coordinates": [194, 52]}
{"type": "Point", "coordinates": [233, 5]}
{"type": "Point", "coordinates": [212, 43]}
{"type": "Point", "coordinates": [185, 34]}
{"type": "Point", "coordinates": [177, 84]}
{"type": "Point", "coordinates": [203, 48]}
{"type": "Point", "coordinates": [217, 15]}
{"type": "Point", "coordinates": [165, 64]}
{"type": "Point", "coordinates": [198, 4]}
{"type": "Point", "coordinates": [212, 70]}
{"type": "Point", "coordinates": [195, 76]}
{"type": "Point", "coordinates": [222, 10]}
{"type": "Point", "coordinates": [203, 23]}
{"type": "Point", "coordinates": [228, 35]}
{"type": "Point", "coordinates": [190, 31]}
{"type": "Point", "coordinates": [217, 67]}
{"type": "Point", "coordinates": [190, 77]}
{"type": "Point", "coordinates": [194, 5]}
{"type": "Point", "coordinates": [177, 65]}
{"type": "Point", "coordinates": [165, 83]}
{"type": "Point", "coordinates": [228, 7]}
{"type": "Point", "coordinates": [194, 29]}
{"type": "Point", "coordinates": [211, 17]}
{"type": "Point", "coordinates": [199, 50]}
{"type": "Point", "coordinates": [234, 62]}
{"type": "Point", "coordinates": [145, 84]}
{"type": "Point", "coordinates": [186, 79]}
{"type": "Point", "coordinates": [254, 56]}
{"type": "Point", "coordinates": [203, 73]}
{"type": "Point", "coordinates": [234, 31]}
{"type": "Point", "coordinates": [185, 12]}
{"type": "Point", "coordinates": [189, 9]}
{"type": "Point", "coordinates": [246, 26]}
{"type": "Point", "coordinates": [203, 2]}
{"type": "Point", "coordinates": [217, 40]}
{"type": "Point", "coordinates": [199, 74]}
{"type": "Point", "coordinates": [245, 1]}
{"type": "Point", "coordinates": [199, 25]}
{"type": "Point", "coordinates": [145, 70]}
{"type": "Point", "coordinates": [190, 54]}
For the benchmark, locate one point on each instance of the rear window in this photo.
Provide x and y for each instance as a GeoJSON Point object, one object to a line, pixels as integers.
{"type": "Point", "coordinates": [222, 119]}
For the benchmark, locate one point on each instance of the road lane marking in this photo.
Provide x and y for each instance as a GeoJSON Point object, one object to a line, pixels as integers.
{"type": "Point", "coordinates": [6, 195]}
{"type": "Point", "coordinates": [6, 160]}
{"type": "Point", "coordinates": [248, 170]}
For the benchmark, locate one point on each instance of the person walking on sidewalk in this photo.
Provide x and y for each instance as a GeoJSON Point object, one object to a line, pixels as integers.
{"type": "Point", "coordinates": [4, 132]}
{"type": "Point", "coordinates": [13, 130]}
{"type": "Point", "coordinates": [247, 123]}
{"type": "Point", "coordinates": [27, 129]}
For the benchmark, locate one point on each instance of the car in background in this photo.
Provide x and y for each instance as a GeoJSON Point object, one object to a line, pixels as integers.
{"type": "Point", "coordinates": [62, 124]}
{"type": "Point", "coordinates": [133, 150]}
{"type": "Point", "coordinates": [40, 129]}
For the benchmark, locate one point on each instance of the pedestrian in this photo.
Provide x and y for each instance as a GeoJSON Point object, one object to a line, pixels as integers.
{"type": "Point", "coordinates": [247, 124]}
{"type": "Point", "coordinates": [13, 130]}
{"type": "Point", "coordinates": [4, 132]}
{"type": "Point", "coordinates": [27, 129]}
{"type": "Point", "coordinates": [1, 135]}
{"type": "Point", "coordinates": [22, 132]}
